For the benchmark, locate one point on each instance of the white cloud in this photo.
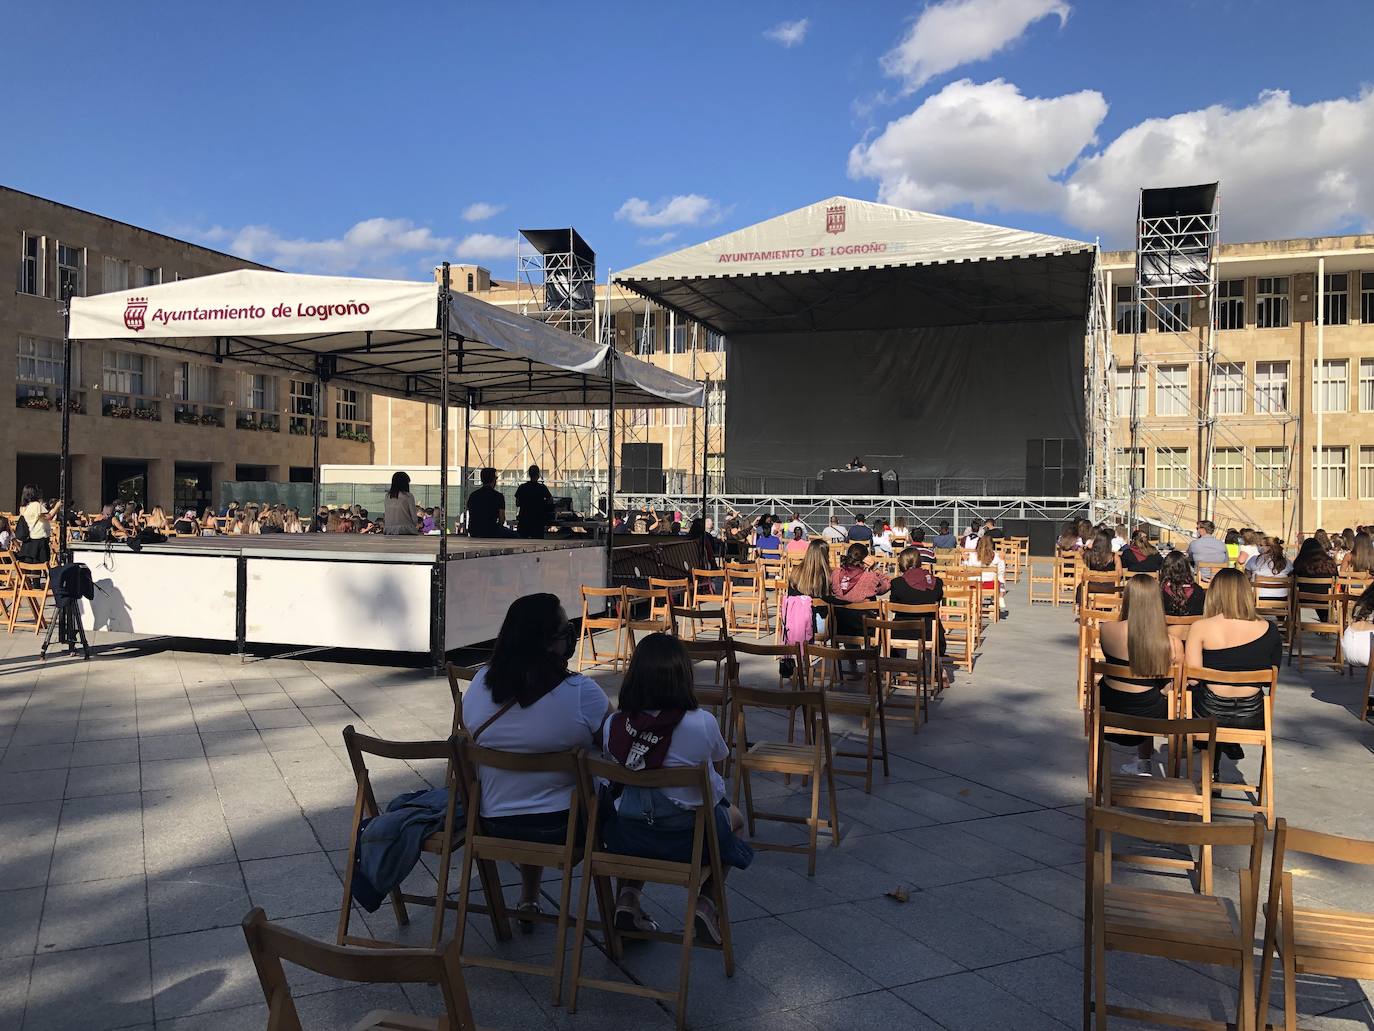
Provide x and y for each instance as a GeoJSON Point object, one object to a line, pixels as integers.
{"type": "Point", "coordinates": [374, 246]}
{"type": "Point", "coordinates": [789, 33]}
{"type": "Point", "coordinates": [981, 144]}
{"type": "Point", "coordinates": [485, 247]}
{"type": "Point", "coordinates": [481, 210]}
{"type": "Point", "coordinates": [659, 240]}
{"type": "Point", "coordinates": [1285, 169]}
{"type": "Point", "coordinates": [957, 32]}
{"type": "Point", "coordinates": [682, 210]}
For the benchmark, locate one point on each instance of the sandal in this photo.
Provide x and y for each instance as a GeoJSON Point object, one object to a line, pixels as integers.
{"type": "Point", "coordinates": [526, 924]}
{"type": "Point", "coordinates": [630, 915]}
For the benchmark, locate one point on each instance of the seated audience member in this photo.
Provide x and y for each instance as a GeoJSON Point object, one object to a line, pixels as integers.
{"type": "Point", "coordinates": [333, 524]}
{"type": "Point", "coordinates": [1085, 532]}
{"type": "Point", "coordinates": [1342, 544]}
{"type": "Point", "coordinates": [918, 541]}
{"type": "Point", "coordinates": [914, 584]}
{"type": "Point", "coordinates": [798, 544]}
{"type": "Point", "coordinates": [882, 540]}
{"type": "Point", "coordinates": [944, 540]}
{"type": "Point", "coordinates": [208, 523]}
{"type": "Point", "coordinates": [1313, 562]}
{"type": "Point", "coordinates": [1067, 540]}
{"type": "Point", "coordinates": [1323, 538]}
{"type": "Point", "coordinates": [427, 522]}
{"type": "Point", "coordinates": [900, 533]}
{"type": "Point", "coordinates": [1355, 637]}
{"type": "Point", "coordinates": [1231, 637]}
{"type": "Point", "coordinates": [6, 534]}
{"type": "Point", "coordinates": [765, 540]}
{"type": "Point", "coordinates": [1139, 556]}
{"type": "Point", "coordinates": [971, 536]}
{"type": "Point", "coordinates": [1206, 547]}
{"type": "Point", "coordinates": [1251, 542]}
{"type": "Point", "coordinates": [809, 580]}
{"type": "Point", "coordinates": [853, 580]}
{"type": "Point", "coordinates": [292, 521]}
{"type": "Point", "coordinates": [1270, 562]}
{"type": "Point", "coordinates": [527, 700]}
{"type": "Point", "coordinates": [186, 525]}
{"type": "Point", "coordinates": [660, 725]}
{"type": "Point", "coordinates": [1141, 641]}
{"type": "Point", "coordinates": [1232, 542]}
{"type": "Point", "coordinates": [487, 509]}
{"type": "Point", "coordinates": [834, 532]}
{"type": "Point", "coordinates": [986, 556]}
{"type": "Point", "coordinates": [736, 536]}
{"type": "Point", "coordinates": [860, 532]}
{"type": "Point", "coordinates": [272, 522]}
{"type": "Point", "coordinates": [1360, 558]}
{"type": "Point", "coordinates": [1178, 590]}
{"type": "Point", "coordinates": [1119, 540]}
{"type": "Point", "coordinates": [105, 526]}
{"type": "Point", "coordinates": [399, 508]}
{"type": "Point", "coordinates": [157, 520]}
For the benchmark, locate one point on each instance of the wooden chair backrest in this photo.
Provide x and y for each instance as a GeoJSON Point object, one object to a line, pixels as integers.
{"type": "Point", "coordinates": [1176, 832]}
{"type": "Point", "coordinates": [1318, 589]}
{"type": "Point", "coordinates": [457, 677]}
{"type": "Point", "coordinates": [709, 583]}
{"type": "Point", "coordinates": [694, 616]}
{"type": "Point", "coordinates": [1180, 620]}
{"type": "Point", "coordinates": [270, 945]}
{"type": "Point", "coordinates": [33, 577]}
{"type": "Point", "coordinates": [1265, 679]}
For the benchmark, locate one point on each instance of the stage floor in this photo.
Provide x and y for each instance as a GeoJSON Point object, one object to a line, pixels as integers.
{"type": "Point", "coordinates": [346, 547]}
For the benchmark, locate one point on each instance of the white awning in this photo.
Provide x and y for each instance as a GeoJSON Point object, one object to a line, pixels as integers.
{"type": "Point", "coordinates": [382, 335]}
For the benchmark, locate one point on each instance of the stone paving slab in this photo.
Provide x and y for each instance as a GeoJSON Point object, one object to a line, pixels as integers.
{"type": "Point", "coordinates": [150, 796]}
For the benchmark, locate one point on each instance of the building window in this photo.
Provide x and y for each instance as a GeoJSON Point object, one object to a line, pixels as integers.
{"type": "Point", "coordinates": [1336, 299]}
{"type": "Point", "coordinates": [129, 383]}
{"type": "Point", "coordinates": [114, 274]}
{"type": "Point", "coordinates": [1271, 302]}
{"type": "Point", "coordinates": [1171, 469]}
{"type": "Point", "coordinates": [1130, 469]}
{"type": "Point", "coordinates": [1271, 387]}
{"type": "Point", "coordinates": [31, 265]}
{"type": "Point", "coordinates": [1228, 470]}
{"type": "Point", "coordinates": [350, 415]}
{"type": "Point", "coordinates": [469, 282]}
{"type": "Point", "coordinates": [644, 335]}
{"type": "Point", "coordinates": [1231, 304]}
{"type": "Point", "coordinates": [675, 417]}
{"type": "Point", "coordinates": [1130, 316]}
{"type": "Point", "coordinates": [1123, 394]}
{"type": "Point", "coordinates": [71, 271]}
{"type": "Point", "coordinates": [715, 342]}
{"type": "Point", "coordinates": [1367, 384]}
{"type": "Point", "coordinates": [1228, 389]}
{"type": "Point", "coordinates": [302, 407]}
{"type": "Point", "coordinates": [681, 337]}
{"type": "Point", "coordinates": [715, 404]}
{"type": "Point", "coordinates": [1171, 314]}
{"type": "Point", "coordinates": [1329, 472]}
{"type": "Point", "coordinates": [1367, 297]}
{"type": "Point", "coordinates": [1171, 390]}
{"type": "Point", "coordinates": [257, 402]}
{"type": "Point", "coordinates": [1271, 472]}
{"type": "Point", "coordinates": [1331, 385]}
{"type": "Point", "coordinates": [196, 382]}
{"type": "Point", "coordinates": [144, 276]}
{"type": "Point", "coordinates": [1366, 472]}
{"type": "Point", "coordinates": [39, 373]}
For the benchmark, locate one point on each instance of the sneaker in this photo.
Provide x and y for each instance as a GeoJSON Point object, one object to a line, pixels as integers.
{"type": "Point", "coordinates": [707, 922]}
{"type": "Point", "coordinates": [1138, 768]}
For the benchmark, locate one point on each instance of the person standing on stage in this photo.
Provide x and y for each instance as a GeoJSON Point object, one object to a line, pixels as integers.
{"type": "Point", "coordinates": [399, 511]}
{"type": "Point", "coordinates": [534, 505]}
{"type": "Point", "coordinates": [486, 509]}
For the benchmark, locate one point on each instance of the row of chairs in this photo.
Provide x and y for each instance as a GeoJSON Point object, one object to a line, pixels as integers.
{"type": "Point", "coordinates": [25, 593]}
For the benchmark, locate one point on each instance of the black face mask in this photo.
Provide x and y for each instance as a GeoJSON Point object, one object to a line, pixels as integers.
{"type": "Point", "coordinates": [569, 641]}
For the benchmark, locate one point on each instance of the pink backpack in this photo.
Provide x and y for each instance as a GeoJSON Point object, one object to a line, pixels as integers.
{"type": "Point", "coordinates": [798, 626]}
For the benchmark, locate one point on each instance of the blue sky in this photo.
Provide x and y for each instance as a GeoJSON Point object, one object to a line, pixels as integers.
{"type": "Point", "coordinates": [352, 137]}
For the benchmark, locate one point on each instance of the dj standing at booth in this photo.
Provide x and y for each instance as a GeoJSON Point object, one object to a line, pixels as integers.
{"type": "Point", "coordinates": [534, 507]}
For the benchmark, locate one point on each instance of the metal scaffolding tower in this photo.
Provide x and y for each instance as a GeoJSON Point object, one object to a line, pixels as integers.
{"type": "Point", "coordinates": [1171, 316]}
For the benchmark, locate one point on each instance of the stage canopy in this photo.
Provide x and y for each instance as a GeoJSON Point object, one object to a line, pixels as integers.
{"type": "Point", "coordinates": [381, 335]}
{"type": "Point", "coordinates": [936, 348]}
{"type": "Point", "coordinates": [850, 264]}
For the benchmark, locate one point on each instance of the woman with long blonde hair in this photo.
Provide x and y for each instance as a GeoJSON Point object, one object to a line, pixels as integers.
{"type": "Point", "coordinates": [1140, 641]}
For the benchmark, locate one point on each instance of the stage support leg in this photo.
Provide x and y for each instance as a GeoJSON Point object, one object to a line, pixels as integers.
{"type": "Point", "coordinates": [610, 467]}
{"type": "Point", "coordinates": [705, 454]}
{"type": "Point", "coordinates": [64, 621]}
{"type": "Point", "coordinates": [316, 416]}
{"type": "Point", "coordinates": [241, 607]}
{"type": "Point", "coordinates": [441, 592]}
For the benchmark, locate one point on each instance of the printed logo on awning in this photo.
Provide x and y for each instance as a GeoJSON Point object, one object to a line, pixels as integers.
{"type": "Point", "coordinates": [134, 313]}
{"type": "Point", "coordinates": [834, 219]}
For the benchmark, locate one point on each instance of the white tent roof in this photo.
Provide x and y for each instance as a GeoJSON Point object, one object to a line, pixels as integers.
{"type": "Point", "coordinates": [798, 270]}
{"type": "Point", "coordinates": [383, 335]}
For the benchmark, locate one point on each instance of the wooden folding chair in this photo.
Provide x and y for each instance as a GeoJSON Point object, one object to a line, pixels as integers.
{"type": "Point", "coordinates": [1349, 587]}
{"type": "Point", "coordinates": [1066, 574]}
{"type": "Point", "coordinates": [1041, 572]}
{"type": "Point", "coordinates": [457, 677]}
{"type": "Point", "coordinates": [959, 618]}
{"type": "Point", "coordinates": [1192, 928]}
{"type": "Point", "coordinates": [1170, 794]}
{"type": "Point", "coordinates": [34, 586]}
{"type": "Point", "coordinates": [929, 615]}
{"type": "Point", "coordinates": [642, 608]}
{"type": "Point", "coordinates": [744, 598]}
{"type": "Point", "coordinates": [482, 847]}
{"type": "Point", "coordinates": [866, 703]}
{"type": "Point", "coordinates": [1317, 593]}
{"type": "Point", "coordinates": [1204, 571]}
{"type": "Point", "coordinates": [9, 583]}
{"type": "Point", "coordinates": [1280, 610]}
{"type": "Point", "coordinates": [708, 588]}
{"type": "Point", "coordinates": [774, 573]}
{"type": "Point", "coordinates": [719, 693]}
{"type": "Point", "coordinates": [1177, 626]}
{"type": "Point", "coordinates": [613, 619]}
{"type": "Point", "coordinates": [812, 758]}
{"type": "Point", "coordinates": [1268, 681]}
{"type": "Point", "coordinates": [914, 669]}
{"type": "Point", "coordinates": [688, 624]}
{"type": "Point", "coordinates": [705, 869]}
{"type": "Point", "coordinates": [677, 592]}
{"type": "Point", "coordinates": [441, 843]}
{"type": "Point", "coordinates": [1089, 651]}
{"type": "Point", "coordinates": [1310, 939]}
{"type": "Point", "coordinates": [270, 944]}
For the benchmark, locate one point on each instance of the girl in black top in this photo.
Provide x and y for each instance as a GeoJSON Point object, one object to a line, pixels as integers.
{"type": "Point", "coordinates": [1139, 557]}
{"type": "Point", "coordinates": [1178, 591]}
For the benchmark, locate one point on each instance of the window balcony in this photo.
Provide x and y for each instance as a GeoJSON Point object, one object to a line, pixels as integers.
{"type": "Point", "coordinates": [300, 425]}
{"type": "Point", "coordinates": [257, 420]}
{"type": "Point", "coordinates": [45, 397]}
{"type": "Point", "coordinates": [360, 432]}
{"type": "Point", "coordinates": [126, 406]}
{"type": "Point", "coordinates": [188, 413]}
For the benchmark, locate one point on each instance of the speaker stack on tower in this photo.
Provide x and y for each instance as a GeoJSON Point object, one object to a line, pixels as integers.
{"type": "Point", "coordinates": [641, 469]}
{"type": "Point", "coordinates": [1052, 467]}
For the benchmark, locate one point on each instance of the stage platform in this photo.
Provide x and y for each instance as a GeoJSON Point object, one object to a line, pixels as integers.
{"type": "Point", "coordinates": [361, 591]}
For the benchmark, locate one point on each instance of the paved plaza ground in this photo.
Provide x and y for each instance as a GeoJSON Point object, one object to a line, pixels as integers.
{"type": "Point", "coordinates": [150, 796]}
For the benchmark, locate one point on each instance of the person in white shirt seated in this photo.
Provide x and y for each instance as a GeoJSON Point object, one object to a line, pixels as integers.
{"type": "Point", "coordinates": [1355, 638]}
{"type": "Point", "coordinates": [527, 700]}
{"type": "Point", "coordinates": [986, 555]}
{"type": "Point", "coordinates": [660, 725]}
{"type": "Point", "coordinates": [1270, 562]}
{"type": "Point", "coordinates": [1119, 540]}
{"type": "Point", "coordinates": [834, 533]}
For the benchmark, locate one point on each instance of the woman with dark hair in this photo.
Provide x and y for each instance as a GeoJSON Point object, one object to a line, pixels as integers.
{"type": "Point", "coordinates": [1139, 557]}
{"type": "Point", "coordinates": [659, 725]}
{"type": "Point", "coordinates": [399, 515]}
{"type": "Point", "coordinates": [1178, 590]}
{"type": "Point", "coordinates": [1271, 561]}
{"type": "Point", "coordinates": [1099, 556]}
{"type": "Point", "coordinates": [1324, 540]}
{"type": "Point", "coordinates": [1314, 561]}
{"type": "Point", "coordinates": [855, 580]}
{"type": "Point", "coordinates": [527, 700]}
{"type": "Point", "coordinates": [35, 545]}
{"type": "Point", "coordinates": [1068, 538]}
{"type": "Point", "coordinates": [1360, 558]}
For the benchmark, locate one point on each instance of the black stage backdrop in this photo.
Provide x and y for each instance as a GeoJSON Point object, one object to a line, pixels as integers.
{"type": "Point", "coordinates": [955, 401]}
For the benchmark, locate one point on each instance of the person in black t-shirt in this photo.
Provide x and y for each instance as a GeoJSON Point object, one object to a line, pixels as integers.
{"type": "Point", "coordinates": [861, 531]}
{"type": "Point", "coordinates": [487, 509]}
{"type": "Point", "coordinates": [534, 507]}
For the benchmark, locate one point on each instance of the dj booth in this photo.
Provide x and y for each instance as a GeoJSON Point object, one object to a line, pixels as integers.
{"type": "Point", "coordinates": [855, 482]}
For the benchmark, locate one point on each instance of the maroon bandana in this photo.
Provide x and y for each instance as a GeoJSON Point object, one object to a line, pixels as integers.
{"type": "Point", "coordinates": [919, 578]}
{"type": "Point", "coordinates": [640, 742]}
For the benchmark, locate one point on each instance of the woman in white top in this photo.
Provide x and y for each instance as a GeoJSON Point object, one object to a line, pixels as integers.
{"type": "Point", "coordinates": [399, 516]}
{"type": "Point", "coordinates": [526, 700]}
{"type": "Point", "coordinates": [1355, 638]}
{"type": "Point", "coordinates": [661, 725]}
{"type": "Point", "coordinates": [994, 567]}
{"type": "Point", "coordinates": [1271, 561]}
{"type": "Point", "coordinates": [38, 519]}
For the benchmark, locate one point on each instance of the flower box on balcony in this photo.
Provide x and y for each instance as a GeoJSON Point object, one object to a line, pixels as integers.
{"type": "Point", "coordinates": [36, 402]}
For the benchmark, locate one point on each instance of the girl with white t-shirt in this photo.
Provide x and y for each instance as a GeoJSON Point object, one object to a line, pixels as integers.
{"type": "Point", "coordinates": [660, 725]}
{"type": "Point", "coordinates": [526, 700]}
